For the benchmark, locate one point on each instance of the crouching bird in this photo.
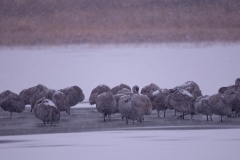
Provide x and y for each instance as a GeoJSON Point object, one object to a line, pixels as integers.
{"type": "Point", "coordinates": [46, 111]}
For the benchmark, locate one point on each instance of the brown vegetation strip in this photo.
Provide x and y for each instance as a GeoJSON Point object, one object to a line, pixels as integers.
{"type": "Point", "coordinates": [25, 22]}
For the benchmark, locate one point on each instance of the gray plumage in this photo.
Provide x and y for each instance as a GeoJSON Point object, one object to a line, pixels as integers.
{"type": "Point", "coordinates": [57, 97]}
{"type": "Point", "coordinates": [11, 102]}
{"type": "Point", "coordinates": [237, 82]}
{"type": "Point", "coordinates": [46, 111]}
{"type": "Point", "coordinates": [120, 93]}
{"type": "Point", "coordinates": [115, 89]}
{"type": "Point", "coordinates": [145, 100]}
{"type": "Point", "coordinates": [158, 99]}
{"type": "Point", "coordinates": [182, 101]}
{"type": "Point", "coordinates": [60, 100]}
{"type": "Point", "coordinates": [149, 89]}
{"type": "Point", "coordinates": [167, 101]}
{"type": "Point", "coordinates": [147, 105]}
{"type": "Point", "coordinates": [96, 91]}
{"type": "Point", "coordinates": [232, 92]}
{"type": "Point", "coordinates": [131, 107]}
{"type": "Point", "coordinates": [38, 95]}
{"type": "Point", "coordinates": [117, 98]}
{"type": "Point", "coordinates": [235, 87]}
{"type": "Point", "coordinates": [202, 106]}
{"type": "Point", "coordinates": [106, 104]}
{"type": "Point", "coordinates": [74, 95]}
{"type": "Point", "coordinates": [5, 94]}
{"type": "Point", "coordinates": [234, 100]}
{"type": "Point", "coordinates": [191, 87]}
{"type": "Point", "coordinates": [220, 105]}
{"type": "Point", "coordinates": [139, 103]}
{"type": "Point", "coordinates": [26, 94]}
{"type": "Point", "coordinates": [224, 89]}
{"type": "Point", "coordinates": [126, 109]}
{"type": "Point", "coordinates": [135, 89]}
{"type": "Point", "coordinates": [124, 91]}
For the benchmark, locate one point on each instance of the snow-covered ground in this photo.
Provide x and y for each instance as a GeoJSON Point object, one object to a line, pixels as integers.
{"type": "Point", "coordinates": [119, 145]}
{"type": "Point", "coordinates": [210, 66]}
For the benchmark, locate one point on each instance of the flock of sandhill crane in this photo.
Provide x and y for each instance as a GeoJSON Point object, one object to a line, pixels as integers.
{"type": "Point", "coordinates": [46, 104]}
{"type": "Point", "coordinates": [187, 98]}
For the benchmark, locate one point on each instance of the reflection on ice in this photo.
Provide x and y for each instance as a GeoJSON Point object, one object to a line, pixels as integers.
{"type": "Point", "coordinates": [167, 144]}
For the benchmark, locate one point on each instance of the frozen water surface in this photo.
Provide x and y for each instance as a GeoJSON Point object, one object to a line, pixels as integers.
{"type": "Point", "coordinates": [118, 145]}
{"type": "Point", "coordinates": [210, 66]}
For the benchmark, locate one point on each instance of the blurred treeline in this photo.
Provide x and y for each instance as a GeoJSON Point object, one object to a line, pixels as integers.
{"type": "Point", "coordinates": [33, 22]}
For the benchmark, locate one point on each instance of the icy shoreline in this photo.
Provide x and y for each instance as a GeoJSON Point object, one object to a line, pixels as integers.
{"type": "Point", "coordinates": [177, 144]}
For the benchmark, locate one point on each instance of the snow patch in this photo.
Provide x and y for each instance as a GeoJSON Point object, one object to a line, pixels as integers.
{"type": "Point", "coordinates": [102, 85]}
{"type": "Point", "coordinates": [185, 84]}
{"type": "Point", "coordinates": [56, 92]}
{"type": "Point", "coordinates": [188, 83]}
{"type": "Point", "coordinates": [185, 92]}
{"type": "Point", "coordinates": [164, 90]}
{"type": "Point", "coordinates": [102, 94]}
{"type": "Point", "coordinates": [49, 102]}
{"type": "Point", "coordinates": [155, 93]}
{"type": "Point", "coordinates": [68, 88]}
{"type": "Point", "coordinates": [124, 96]}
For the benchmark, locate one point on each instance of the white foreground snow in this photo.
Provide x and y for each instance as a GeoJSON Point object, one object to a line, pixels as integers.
{"type": "Point", "coordinates": [120, 145]}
